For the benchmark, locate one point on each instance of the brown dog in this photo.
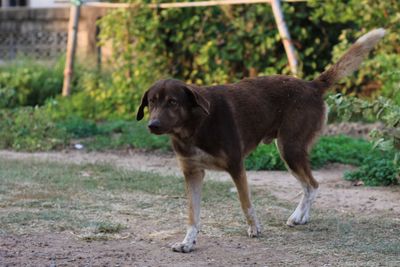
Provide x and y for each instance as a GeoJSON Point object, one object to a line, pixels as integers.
{"type": "Point", "coordinates": [216, 127]}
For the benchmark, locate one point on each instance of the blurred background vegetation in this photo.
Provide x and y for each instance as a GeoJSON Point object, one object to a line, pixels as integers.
{"type": "Point", "coordinates": [204, 45]}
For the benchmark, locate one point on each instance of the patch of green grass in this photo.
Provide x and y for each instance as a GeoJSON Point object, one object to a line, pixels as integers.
{"type": "Point", "coordinates": [92, 177]}
{"type": "Point", "coordinates": [86, 177]}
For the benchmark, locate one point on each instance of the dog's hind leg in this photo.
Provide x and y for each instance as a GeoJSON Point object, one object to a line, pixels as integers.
{"type": "Point", "coordinates": [194, 182]}
{"type": "Point", "coordinates": [296, 159]}
{"type": "Point", "coordinates": [240, 179]}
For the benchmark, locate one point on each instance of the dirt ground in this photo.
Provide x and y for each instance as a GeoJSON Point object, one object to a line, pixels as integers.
{"type": "Point", "coordinates": [334, 193]}
{"type": "Point", "coordinates": [148, 244]}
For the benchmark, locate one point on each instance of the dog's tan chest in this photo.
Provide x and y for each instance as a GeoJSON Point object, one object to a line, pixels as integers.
{"type": "Point", "coordinates": [200, 159]}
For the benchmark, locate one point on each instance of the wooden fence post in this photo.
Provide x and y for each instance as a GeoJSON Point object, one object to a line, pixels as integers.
{"type": "Point", "coordinates": [71, 46]}
{"type": "Point", "coordinates": [284, 33]}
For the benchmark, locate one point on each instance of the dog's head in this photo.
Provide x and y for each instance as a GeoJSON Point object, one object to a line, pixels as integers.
{"type": "Point", "coordinates": [171, 104]}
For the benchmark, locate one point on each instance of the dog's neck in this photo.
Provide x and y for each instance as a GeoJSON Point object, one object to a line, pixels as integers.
{"type": "Point", "coordinates": [185, 136]}
{"type": "Point", "coordinates": [188, 130]}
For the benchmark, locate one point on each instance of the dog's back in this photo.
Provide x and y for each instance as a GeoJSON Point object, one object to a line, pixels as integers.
{"type": "Point", "coordinates": [254, 110]}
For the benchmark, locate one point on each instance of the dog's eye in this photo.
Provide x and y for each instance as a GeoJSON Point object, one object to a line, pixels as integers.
{"type": "Point", "coordinates": [172, 102]}
{"type": "Point", "coordinates": [151, 101]}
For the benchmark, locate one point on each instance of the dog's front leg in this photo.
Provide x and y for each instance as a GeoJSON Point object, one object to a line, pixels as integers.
{"type": "Point", "coordinates": [240, 180]}
{"type": "Point", "coordinates": [194, 183]}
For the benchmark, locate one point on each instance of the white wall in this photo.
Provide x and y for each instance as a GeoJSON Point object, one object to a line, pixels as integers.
{"type": "Point", "coordinates": [47, 3]}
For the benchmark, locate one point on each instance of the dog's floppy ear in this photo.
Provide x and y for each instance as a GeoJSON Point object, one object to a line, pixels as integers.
{"type": "Point", "coordinates": [198, 99]}
{"type": "Point", "coordinates": [143, 104]}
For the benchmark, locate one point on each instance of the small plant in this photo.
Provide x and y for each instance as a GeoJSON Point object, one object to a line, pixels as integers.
{"type": "Point", "coordinates": [382, 109]}
{"type": "Point", "coordinates": [30, 129]}
{"type": "Point", "coordinates": [119, 134]}
{"type": "Point", "coordinates": [265, 157]}
{"type": "Point", "coordinates": [108, 228]}
{"type": "Point", "coordinates": [329, 149]}
{"type": "Point", "coordinates": [386, 140]}
{"type": "Point", "coordinates": [375, 172]}
{"type": "Point", "coordinates": [28, 83]}
{"type": "Point", "coordinates": [78, 127]}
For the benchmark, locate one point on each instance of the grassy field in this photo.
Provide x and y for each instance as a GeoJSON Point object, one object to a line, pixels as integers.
{"type": "Point", "coordinates": [100, 203]}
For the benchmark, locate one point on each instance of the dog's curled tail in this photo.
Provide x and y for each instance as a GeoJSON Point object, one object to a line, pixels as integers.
{"type": "Point", "coordinates": [350, 61]}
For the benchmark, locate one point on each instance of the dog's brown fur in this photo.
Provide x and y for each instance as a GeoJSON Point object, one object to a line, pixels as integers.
{"type": "Point", "coordinates": [218, 126]}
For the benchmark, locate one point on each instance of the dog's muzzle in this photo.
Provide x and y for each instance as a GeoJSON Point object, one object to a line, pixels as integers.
{"type": "Point", "coordinates": [155, 126]}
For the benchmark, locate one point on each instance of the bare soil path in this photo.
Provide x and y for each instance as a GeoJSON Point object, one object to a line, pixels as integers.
{"type": "Point", "coordinates": [334, 193]}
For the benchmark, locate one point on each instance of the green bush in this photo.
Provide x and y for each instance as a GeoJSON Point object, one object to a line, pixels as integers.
{"type": "Point", "coordinates": [329, 149]}
{"type": "Point", "coordinates": [30, 129]}
{"type": "Point", "coordinates": [114, 134]}
{"type": "Point", "coordinates": [376, 168]}
{"type": "Point", "coordinates": [265, 157]}
{"type": "Point", "coordinates": [136, 62]}
{"type": "Point", "coordinates": [78, 127]}
{"type": "Point", "coordinates": [386, 139]}
{"type": "Point", "coordinates": [381, 70]}
{"type": "Point", "coordinates": [210, 45]}
{"type": "Point", "coordinates": [79, 104]}
{"type": "Point", "coordinates": [120, 134]}
{"type": "Point", "coordinates": [375, 171]}
{"type": "Point", "coordinates": [340, 149]}
{"type": "Point", "coordinates": [97, 96]}
{"type": "Point", "coordinates": [28, 83]}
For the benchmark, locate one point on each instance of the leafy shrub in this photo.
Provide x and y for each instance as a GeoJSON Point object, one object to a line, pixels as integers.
{"type": "Point", "coordinates": [375, 172]}
{"type": "Point", "coordinates": [209, 45]}
{"type": "Point", "coordinates": [79, 104]}
{"type": "Point", "coordinates": [28, 83]}
{"type": "Point", "coordinates": [382, 109]}
{"type": "Point", "coordinates": [379, 71]}
{"type": "Point", "coordinates": [329, 149]}
{"type": "Point", "coordinates": [97, 96]}
{"type": "Point", "coordinates": [136, 62]}
{"type": "Point", "coordinates": [203, 45]}
{"type": "Point", "coordinates": [265, 157]}
{"type": "Point", "coordinates": [223, 44]}
{"type": "Point", "coordinates": [119, 134]}
{"type": "Point", "coordinates": [387, 140]}
{"type": "Point", "coordinates": [29, 129]}
{"type": "Point", "coordinates": [78, 127]}
{"type": "Point", "coordinates": [388, 75]}
{"type": "Point", "coordinates": [339, 149]}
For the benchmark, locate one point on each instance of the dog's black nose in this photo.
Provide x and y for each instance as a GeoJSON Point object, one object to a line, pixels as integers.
{"type": "Point", "coordinates": [154, 125]}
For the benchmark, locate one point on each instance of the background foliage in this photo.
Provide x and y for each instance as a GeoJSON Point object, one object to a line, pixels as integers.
{"type": "Point", "coordinates": [28, 83]}
{"type": "Point", "coordinates": [209, 45]}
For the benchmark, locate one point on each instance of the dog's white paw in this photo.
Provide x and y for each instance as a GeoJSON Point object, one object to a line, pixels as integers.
{"type": "Point", "coordinates": [183, 247]}
{"type": "Point", "coordinates": [254, 230]}
{"type": "Point", "coordinates": [302, 213]}
{"type": "Point", "coordinates": [298, 218]}
{"type": "Point", "coordinates": [187, 245]}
